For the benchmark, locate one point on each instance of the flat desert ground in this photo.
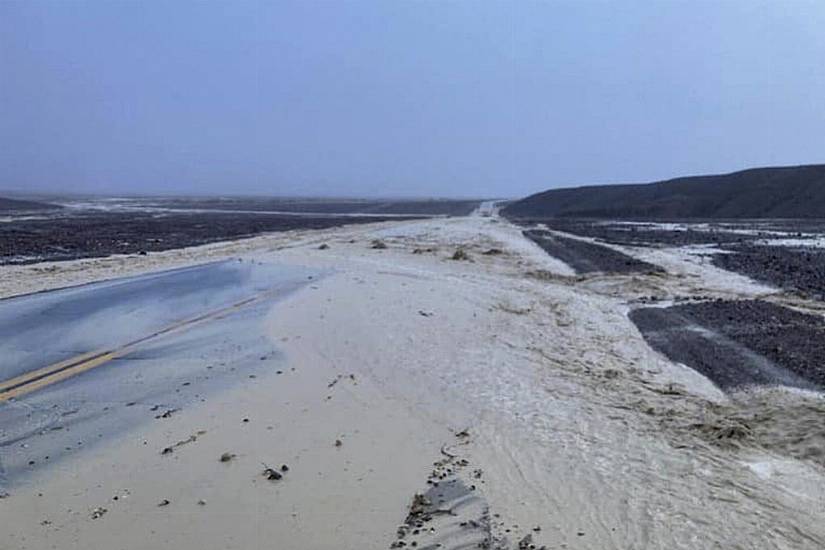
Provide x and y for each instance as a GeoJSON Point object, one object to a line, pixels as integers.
{"type": "Point", "coordinates": [514, 397]}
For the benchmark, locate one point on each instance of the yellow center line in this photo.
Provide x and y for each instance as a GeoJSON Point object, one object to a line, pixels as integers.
{"type": "Point", "coordinates": [40, 378]}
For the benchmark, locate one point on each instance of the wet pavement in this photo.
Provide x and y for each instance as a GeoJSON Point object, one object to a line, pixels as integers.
{"type": "Point", "coordinates": [216, 310]}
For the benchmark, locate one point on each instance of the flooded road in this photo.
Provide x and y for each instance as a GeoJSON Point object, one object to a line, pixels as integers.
{"type": "Point", "coordinates": [81, 363]}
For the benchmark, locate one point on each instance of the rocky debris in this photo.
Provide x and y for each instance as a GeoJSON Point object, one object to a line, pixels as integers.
{"type": "Point", "coordinates": [460, 255]}
{"type": "Point", "coordinates": [450, 513]}
{"type": "Point", "coordinates": [323, 246]}
{"type": "Point", "coordinates": [646, 234]}
{"type": "Point", "coordinates": [800, 270]}
{"type": "Point", "coordinates": [227, 457]}
{"type": "Point", "coordinates": [514, 310]}
{"type": "Point", "coordinates": [98, 512]}
{"type": "Point", "coordinates": [428, 250]}
{"type": "Point", "coordinates": [586, 257]}
{"type": "Point", "coordinates": [164, 502]}
{"type": "Point", "coordinates": [378, 244]}
{"type": "Point", "coordinates": [338, 443]}
{"type": "Point", "coordinates": [167, 414]}
{"type": "Point", "coordinates": [739, 343]}
{"type": "Point", "coordinates": [730, 431]}
{"type": "Point", "coordinates": [493, 252]}
{"type": "Point", "coordinates": [340, 377]}
{"type": "Point", "coordinates": [272, 474]}
{"type": "Point", "coordinates": [191, 439]}
{"type": "Point", "coordinates": [91, 234]}
{"type": "Point", "coordinates": [125, 495]}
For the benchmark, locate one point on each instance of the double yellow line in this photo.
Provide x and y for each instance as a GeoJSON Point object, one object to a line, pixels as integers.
{"type": "Point", "coordinates": [40, 378]}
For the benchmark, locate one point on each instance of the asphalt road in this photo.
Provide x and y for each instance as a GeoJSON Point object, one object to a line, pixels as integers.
{"type": "Point", "coordinates": [82, 363]}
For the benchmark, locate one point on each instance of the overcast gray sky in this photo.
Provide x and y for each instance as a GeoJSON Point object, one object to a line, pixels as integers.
{"type": "Point", "coordinates": [402, 98]}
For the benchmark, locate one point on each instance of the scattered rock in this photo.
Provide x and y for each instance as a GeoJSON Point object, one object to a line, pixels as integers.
{"type": "Point", "coordinates": [163, 503]}
{"type": "Point", "coordinates": [98, 512]}
{"type": "Point", "coordinates": [167, 414]}
{"type": "Point", "coordinates": [338, 442]}
{"type": "Point", "coordinates": [460, 255]}
{"type": "Point", "coordinates": [324, 246]}
{"type": "Point", "coordinates": [378, 244]}
{"type": "Point", "coordinates": [227, 457]}
{"type": "Point", "coordinates": [271, 474]}
{"type": "Point", "coordinates": [191, 439]}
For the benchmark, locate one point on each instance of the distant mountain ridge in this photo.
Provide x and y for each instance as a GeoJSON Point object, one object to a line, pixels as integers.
{"type": "Point", "coordinates": [778, 192]}
{"type": "Point", "coordinates": [7, 205]}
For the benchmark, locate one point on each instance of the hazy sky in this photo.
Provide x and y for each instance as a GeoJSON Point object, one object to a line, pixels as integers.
{"type": "Point", "coordinates": [402, 98]}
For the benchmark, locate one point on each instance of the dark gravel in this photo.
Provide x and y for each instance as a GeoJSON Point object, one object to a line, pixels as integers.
{"type": "Point", "coordinates": [801, 270]}
{"type": "Point", "coordinates": [646, 234]}
{"type": "Point", "coordinates": [740, 343]}
{"type": "Point", "coordinates": [95, 234]}
{"type": "Point", "coordinates": [587, 257]}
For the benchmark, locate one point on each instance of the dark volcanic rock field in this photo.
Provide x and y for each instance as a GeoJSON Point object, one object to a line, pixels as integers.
{"type": "Point", "coordinates": [641, 234]}
{"type": "Point", "coordinates": [740, 343]}
{"type": "Point", "coordinates": [585, 257]}
{"type": "Point", "coordinates": [795, 269]}
{"type": "Point", "coordinates": [102, 234]}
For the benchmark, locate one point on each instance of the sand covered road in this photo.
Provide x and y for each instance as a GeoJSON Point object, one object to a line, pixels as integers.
{"type": "Point", "coordinates": [508, 372]}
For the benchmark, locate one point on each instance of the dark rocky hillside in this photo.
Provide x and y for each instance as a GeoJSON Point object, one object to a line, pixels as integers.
{"type": "Point", "coordinates": [784, 192]}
